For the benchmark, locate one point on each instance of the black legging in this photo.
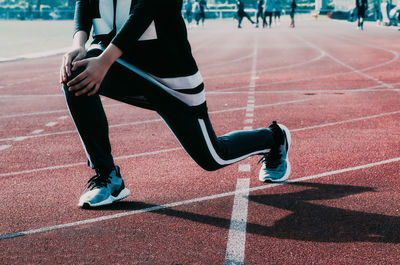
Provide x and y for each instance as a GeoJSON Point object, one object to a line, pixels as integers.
{"type": "Point", "coordinates": [269, 15]}
{"type": "Point", "coordinates": [191, 125]}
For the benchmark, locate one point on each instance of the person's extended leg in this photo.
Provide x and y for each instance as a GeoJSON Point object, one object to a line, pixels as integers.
{"type": "Point", "coordinates": [240, 18]}
{"type": "Point", "coordinates": [195, 133]}
{"type": "Point", "coordinates": [249, 18]}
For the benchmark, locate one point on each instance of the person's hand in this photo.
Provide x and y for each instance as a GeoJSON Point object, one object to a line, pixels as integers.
{"type": "Point", "coordinates": [89, 81]}
{"type": "Point", "coordinates": [70, 57]}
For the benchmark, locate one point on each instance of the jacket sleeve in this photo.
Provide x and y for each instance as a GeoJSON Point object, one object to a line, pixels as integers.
{"type": "Point", "coordinates": [82, 20]}
{"type": "Point", "coordinates": [139, 20]}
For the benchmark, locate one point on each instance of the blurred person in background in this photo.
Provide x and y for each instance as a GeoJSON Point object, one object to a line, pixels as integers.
{"type": "Point", "coordinates": [202, 12]}
{"type": "Point", "coordinates": [189, 11]}
{"type": "Point", "coordinates": [292, 12]}
{"type": "Point", "coordinates": [362, 7]}
{"type": "Point", "coordinates": [260, 11]}
{"type": "Point", "coordinates": [241, 13]}
{"type": "Point", "coordinates": [277, 12]}
{"type": "Point", "coordinates": [268, 12]}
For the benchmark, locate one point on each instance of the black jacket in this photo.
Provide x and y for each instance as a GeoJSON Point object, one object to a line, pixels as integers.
{"type": "Point", "coordinates": [151, 33]}
{"type": "Point", "coordinates": [152, 36]}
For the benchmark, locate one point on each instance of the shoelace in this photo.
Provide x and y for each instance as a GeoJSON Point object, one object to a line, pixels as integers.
{"type": "Point", "coordinates": [271, 159]}
{"type": "Point", "coordinates": [98, 181]}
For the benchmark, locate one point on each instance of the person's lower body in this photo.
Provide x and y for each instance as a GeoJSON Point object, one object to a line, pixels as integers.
{"type": "Point", "coordinates": [197, 18]}
{"type": "Point", "coordinates": [202, 17]}
{"type": "Point", "coordinates": [189, 17]}
{"type": "Point", "coordinates": [259, 15]}
{"type": "Point", "coordinates": [292, 25]}
{"type": "Point", "coordinates": [265, 23]}
{"type": "Point", "coordinates": [240, 19]}
{"type": "Point", "coordinates": [191, 126]}
{"type": "Point", "coordinates": [277, 17]}
{"type": "Point", "coordinates": [360, 18]}
{"type": "Point", "coordinates": [249, 18]}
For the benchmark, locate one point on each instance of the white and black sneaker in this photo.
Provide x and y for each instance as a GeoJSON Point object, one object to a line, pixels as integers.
{"type": "Point", "coordinates": [275, 164]}
{"type": "Point", "coordinates": [103, 190]}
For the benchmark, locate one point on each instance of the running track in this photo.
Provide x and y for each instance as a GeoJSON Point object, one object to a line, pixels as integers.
{"type": "Point", "coordinates": [336, 88]}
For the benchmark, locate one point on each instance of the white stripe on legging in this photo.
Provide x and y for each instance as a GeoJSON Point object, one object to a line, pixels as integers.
{"type": "Point", "coordinates": [215, 155]}
{"type": "Point", "coordinates": [189, 99]}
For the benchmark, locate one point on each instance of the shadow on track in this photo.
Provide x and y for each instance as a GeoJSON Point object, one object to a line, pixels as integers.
{"type": "Point", "coordinates": [308, 221]}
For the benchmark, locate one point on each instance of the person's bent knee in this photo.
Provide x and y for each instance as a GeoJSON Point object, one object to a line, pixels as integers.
{"type": "Point", "coordinates": [69, 78]}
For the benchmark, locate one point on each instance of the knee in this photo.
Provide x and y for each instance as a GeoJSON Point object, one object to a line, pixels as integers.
{"type": "Point", "coordinates": [208, 164]}
{"type": "Point", "coordinates": [69, 78]}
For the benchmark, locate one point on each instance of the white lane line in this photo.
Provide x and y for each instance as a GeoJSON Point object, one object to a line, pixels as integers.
{"type": "Point", "coordinates": [244, 168]}
{"type": "Point", "coordinates": [394, 53]}
{"type": "Point", "coordinates": [195, 200]}
{"type": "Point", "coordinates": [345, 121]}
{"type": "Point", "coordinates": [30, 96]}
{"type": "Point", "coordinates": [173, 149]}
{"type": "Point", "coordinates": [249, 109]}
{"type": "Point", "coordinates": [35, 55]}
{"type": "Point", "coordinates": [248, 122]}
{"type": "Point", "coordinates": [237, 230]}
{"type": "Point", "coordinates": [354, 70]}
{"type": "Point", "coordinates": [4, 147]}
{"type": "Point", "coordinates": [51, 124]}
{"type": "Point", "coordinates": [20, 138]}
{"type": "Point", "coordinates": [154, 120]}
{"type": "Point", "coordinates": [50, 112]}
{"type": "Point", "coordinates": [84, 163]}
{"type": "Point", "coordinates": [37, 131]}
{"type": "Point", "coordinates": [302, 63]}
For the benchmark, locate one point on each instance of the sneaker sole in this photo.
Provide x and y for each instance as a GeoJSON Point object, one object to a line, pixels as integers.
{"type": "Point", "coordinates": [122, 195]}
{"type": "Point", "coordinates": [288, 168]}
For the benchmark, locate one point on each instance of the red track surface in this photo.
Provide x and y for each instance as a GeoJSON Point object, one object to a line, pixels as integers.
{"type": "Point", "coordinates": [336, 88]}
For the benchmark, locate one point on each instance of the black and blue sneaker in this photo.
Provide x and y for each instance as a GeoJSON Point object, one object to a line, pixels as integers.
{"type": "Point", "coordinates": [275, 163]}
{"type": "Point", "coordinates": [104, 189]}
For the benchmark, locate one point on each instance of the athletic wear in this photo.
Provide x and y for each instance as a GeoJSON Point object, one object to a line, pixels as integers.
{"type": "Point", "coordinates": [191, 125]}
{"type": "Point", "coordinates": [268, 12]}
{"type": "Point", "coordinates": [362, 6]}
{"type": "Point", "coordinates": [104, 189]}
{"type": "Point", "coordinates": [153, 38]}
{"type": "Point", "coordinates": [260, 10]}
{"type": "Point", "coordinates": [276, 165]}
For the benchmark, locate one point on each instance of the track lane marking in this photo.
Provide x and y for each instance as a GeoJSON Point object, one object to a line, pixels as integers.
{"type": "Point", "coordinates": [49, 112]}
{"type": "Point", "coordinates": [353, 69]}
{"type": "Point", "coordinates": [345, 121]}
{"type": "Point", "coordinates": [37, 131]}
{"type": "Point", "coordinates": [248, 122]}
{"type": "Point", "coordinates": [152, 120]}
{"type": "Point", "coordinates": [84, 163]}
{"type": "Point", "coordinates": [19, 138]}
{"type": "Point", "coordinates": [51, 124]}
{"type": "Point", "coordinates": [236, 245]}
{"type": "Point", "coordinates": [195, 200]}
{"type": "Point", "coordinates": [4, 147]}
{"type": "Point", "coordinates": [174, 149]}
{"type": "Point", "coordinates": [317, 58]}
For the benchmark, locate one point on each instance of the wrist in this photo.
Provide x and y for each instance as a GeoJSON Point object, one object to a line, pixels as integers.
{"type": "Point", "coordinates": [110, 55]}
